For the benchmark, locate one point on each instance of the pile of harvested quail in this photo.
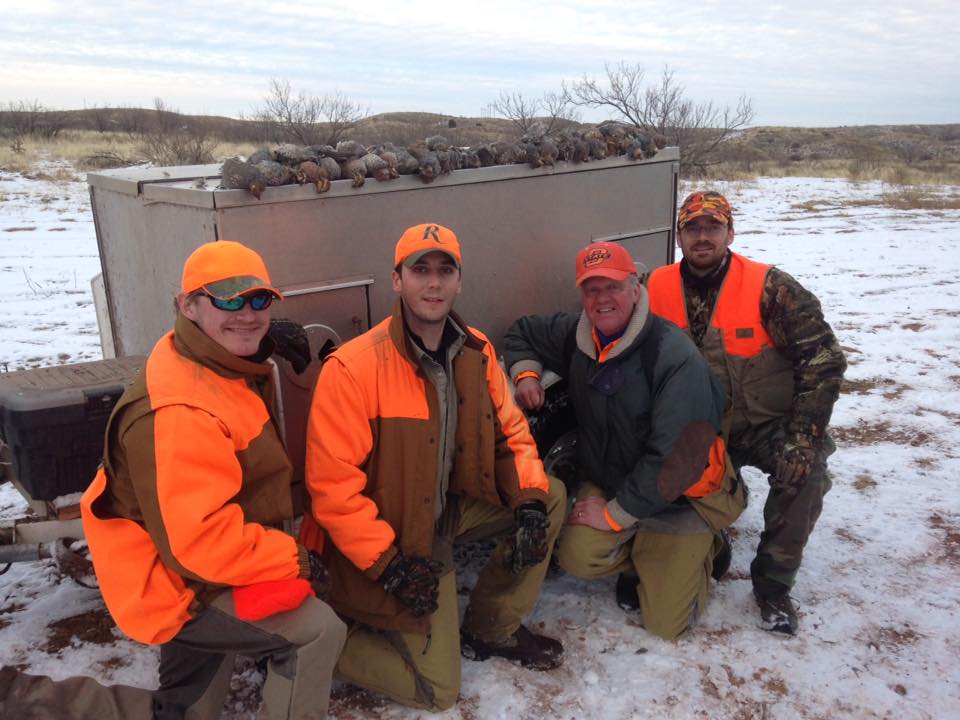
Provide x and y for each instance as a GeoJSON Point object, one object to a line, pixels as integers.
{"type": "Point", "coordinates": [349, 160]}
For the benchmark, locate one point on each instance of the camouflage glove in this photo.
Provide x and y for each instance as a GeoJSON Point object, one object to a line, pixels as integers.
{"type": "Point", "coordinates": [291, 343]}
{"type": "Point", "coordinates": [793, 466]}
{"type": "Point", "coordinates": [319, 577]}
{"type": "Point", "coordinates": [413, 581]}
{"type": "Point", "coordinates": [528, 544]}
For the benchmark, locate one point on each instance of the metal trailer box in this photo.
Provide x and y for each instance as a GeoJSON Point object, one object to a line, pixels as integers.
{"type": "Point", "coordinates": [52, 421]}
{"type": "Point", "coordinates": [331, 254]}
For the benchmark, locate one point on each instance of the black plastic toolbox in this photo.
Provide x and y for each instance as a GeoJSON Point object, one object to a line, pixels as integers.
{"type": "Point", "coordinates": [52, 420]}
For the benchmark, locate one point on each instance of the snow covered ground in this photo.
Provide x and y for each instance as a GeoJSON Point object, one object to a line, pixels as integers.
{"type": "Point", "coordinates": [879, 591]}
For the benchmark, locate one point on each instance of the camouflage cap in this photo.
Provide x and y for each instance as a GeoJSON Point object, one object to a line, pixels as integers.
{"type": "Point", "coordinates": [705, 203]}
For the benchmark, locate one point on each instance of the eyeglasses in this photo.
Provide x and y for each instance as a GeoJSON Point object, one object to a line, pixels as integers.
{"type": "Point", "coordinates": [258, 301]}
{"type": "Point", "coordinates": [714, 231]}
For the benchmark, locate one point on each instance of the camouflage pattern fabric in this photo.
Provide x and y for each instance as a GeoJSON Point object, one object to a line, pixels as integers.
{"type": "Point", "coordinates": [789, 513]}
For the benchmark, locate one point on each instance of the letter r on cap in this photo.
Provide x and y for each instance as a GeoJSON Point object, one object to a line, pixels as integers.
{"type": "Point", "coordinates": [431, 232]}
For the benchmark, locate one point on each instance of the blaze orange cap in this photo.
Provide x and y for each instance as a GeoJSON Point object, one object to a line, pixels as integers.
{"type": "Point", "coordinates": [706, 203]}
{"type": "Point", "coordinates": [419, 240]}
{"type": "Point", "coordinates": [604, 259]}
{"type": "Point", "coordinates": [226, 269]}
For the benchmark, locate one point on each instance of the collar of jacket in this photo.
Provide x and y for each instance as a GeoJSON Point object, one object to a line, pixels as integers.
{"type": "Point", "coordinates": [191, 342]}
{"type": "Point", "coordinates": [713, 278]}
{"type": "Point", "coordinates": [401, 338]}
{"type": "Point", "coordinates": [637, 329]}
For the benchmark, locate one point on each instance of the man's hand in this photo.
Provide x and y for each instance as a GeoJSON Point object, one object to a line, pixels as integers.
{"type": "Point", "coordinates": [793, 466]}
{"type": "Point", "coordinates": [291, 343]}
{"type": "Point", "coordinates": [528, 544]}
{"type": "Point", "coordinates": [530, 394]}
{"type": "Point", "coordinates": [589, 512]}
{"type": "Point", "coordinates": [414, 582]}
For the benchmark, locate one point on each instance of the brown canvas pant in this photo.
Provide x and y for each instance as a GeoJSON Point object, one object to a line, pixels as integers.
{"type": "Point", "coordinates": [301, 647]}
{"type": "Point", "coordinates": [671, 555]}
{"type": "Point", "coordinates": [424, 670]}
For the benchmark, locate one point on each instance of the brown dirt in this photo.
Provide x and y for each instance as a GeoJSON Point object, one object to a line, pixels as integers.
{"type": "Point", "coordinates": [867, 385]}
{"type": "Point", "coordinates": [867, 433]}
{"type": "Point", "coordinates": [95, 627]}
{"type": "Point", "coordinates": [864, 482]}
{"type": "Point", "coordinates": [848, 536]}
{"type": "Point", "coordinates": [950, 544]}
{"type": "Point", "coordinates": [891, 638]}
{"type": "Point", "coordinates": [348, 702]}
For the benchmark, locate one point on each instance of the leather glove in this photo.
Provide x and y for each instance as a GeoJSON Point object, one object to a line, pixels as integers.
{"type": "Point", "coordinates": [414, 582]}
{"type": "Point", "coordinates": [528, 544]}
{"type": "Point", "coordinates": [319, 577]}
{"type": "Point", "coordinates": [793, 466]}
{"type": "Point", "coordinates": [291, 343]}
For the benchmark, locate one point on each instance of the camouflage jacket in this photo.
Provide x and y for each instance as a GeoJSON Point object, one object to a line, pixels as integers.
{"type": "Point", "coordinates": [793, 318]}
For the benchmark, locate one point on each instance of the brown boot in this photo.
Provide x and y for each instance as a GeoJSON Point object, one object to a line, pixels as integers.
{"type": "Point", "coordinates": [537, 652]}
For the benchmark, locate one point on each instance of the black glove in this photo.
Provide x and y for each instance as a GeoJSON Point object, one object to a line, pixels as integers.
{"type": "Point", "coordinates": [414, 582]}
{"type": "Point", "coordinates": [528, 544]}
{"type": "Point", "coordinates": [291, 343]}
{"type": "Point", "coordinates": [793, 466]}
{"type": "Point", "coordinates": [319, 577]}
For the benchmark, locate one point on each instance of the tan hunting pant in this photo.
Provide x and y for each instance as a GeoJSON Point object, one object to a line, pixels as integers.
{"type": "Point", "coordinates": [424, 670]}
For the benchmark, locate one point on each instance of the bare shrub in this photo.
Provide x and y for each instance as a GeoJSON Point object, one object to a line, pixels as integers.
{"type": "Point", "coordinates": [172, 139]}
{"type": "Point", "coordinates": [306, 119]}
{"type": "Point", "coordinates": [553, 109]}
{"type": "Point", "coordinates": [697, 128]}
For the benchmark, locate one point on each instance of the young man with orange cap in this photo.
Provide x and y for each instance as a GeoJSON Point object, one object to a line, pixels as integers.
{"type": "Point", "coordinates": [183, 518]}
{"type": "Point", "coordinates": [649, 420]}
{"type": "Point", "coordinates": [765, 338]}
{"type": "Point", "coordinates": [414, 443]}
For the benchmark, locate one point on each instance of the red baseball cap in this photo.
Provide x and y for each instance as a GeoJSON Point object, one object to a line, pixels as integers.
{"type": "Point", "coordinates": [419, 240]}
{"type": "Point", "coordinates": [225, 269]}
{"type": "Point", "coordinates": [604, 259]}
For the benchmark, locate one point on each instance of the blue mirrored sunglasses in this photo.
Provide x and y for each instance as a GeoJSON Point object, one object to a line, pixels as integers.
{"type": "Point", "coordinates": [258, 301]}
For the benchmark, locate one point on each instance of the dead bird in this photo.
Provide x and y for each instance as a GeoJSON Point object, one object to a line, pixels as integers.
{"type": "Point", "coordinates": [331, 166]}
{"type": "Point", "coordinates": [349, 149]}
{"type": "Point", "coordinates": [407, 164]}
{"type": "Point", "coordinates": [428, 165]}
{"type": "Point", "coordinates": [274, 174]}
{"type": "Point", "coordinates": [239, 175]}
{"type": "Point", "coordinates": [260, 155]}
{"type": "Point", "coordinates": [376, 167]}
{"type": "Point", "coordinates": [355, 170]}
{"type": "Point", "coordinates": [437, 143]}
{"type": "Point", "coordinates": [310, 172]}
{"type": "Point", "coordinates": [292, 155]}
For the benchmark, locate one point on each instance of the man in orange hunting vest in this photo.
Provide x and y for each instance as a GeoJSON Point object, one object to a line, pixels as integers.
{"type": "Point", "coordinates": [765, 338]}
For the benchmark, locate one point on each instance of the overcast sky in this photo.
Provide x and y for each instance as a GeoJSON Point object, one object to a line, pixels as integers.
{"type": "Point", "coordinates": [807, 63]}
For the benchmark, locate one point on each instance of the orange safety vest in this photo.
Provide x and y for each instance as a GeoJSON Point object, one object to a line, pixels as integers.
{"type": "Point", "coordinates": [737, 314]}
{"type": "Point", "coordinates": [757, 377]}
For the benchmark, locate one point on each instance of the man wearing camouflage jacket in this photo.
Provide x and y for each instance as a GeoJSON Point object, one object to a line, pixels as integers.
{"type": "Point", "coordinates": [765, 338]}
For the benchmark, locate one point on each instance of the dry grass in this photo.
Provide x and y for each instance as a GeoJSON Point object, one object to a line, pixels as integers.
{"type": "Point", "coordinates": [88, 150]}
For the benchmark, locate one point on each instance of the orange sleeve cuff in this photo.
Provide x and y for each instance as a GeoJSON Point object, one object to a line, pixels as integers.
{"type": "Point", "coordinates": [527, 374]}
{"type": "Point", "coordinates": [611, 522]}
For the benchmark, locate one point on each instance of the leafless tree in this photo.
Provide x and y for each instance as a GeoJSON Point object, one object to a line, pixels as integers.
{"type": "Point", "coordinates": [553, 109]}
{"type": "Point", "coordinates": [30, 118]}
{"type": "Point", "coordinates": [306, 119]}
{"type": "Point", "coordinates": [662, 108]}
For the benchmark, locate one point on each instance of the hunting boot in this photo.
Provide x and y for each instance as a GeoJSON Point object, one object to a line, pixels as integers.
{"type": "Point", "coordinates": [537, 652]}
{"type": "Point", "coordinates": [721, 561]}
{"type": "Point", "coordinates": [777, 613]}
